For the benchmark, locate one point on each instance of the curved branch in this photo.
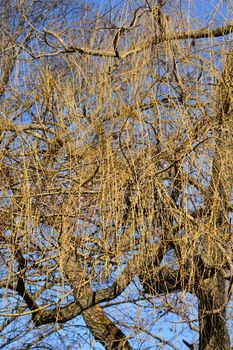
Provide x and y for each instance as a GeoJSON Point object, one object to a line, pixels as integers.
{"type": "Point", "coordinates": [68, 312]}
{"type": "Point", "coordinates": [193, 34]}
{"type": "Point", "coordinates": [162, 280]}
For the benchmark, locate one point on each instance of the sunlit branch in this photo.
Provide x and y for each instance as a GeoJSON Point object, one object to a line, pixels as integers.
{"type": "Point", "coordinates": [194, 34]}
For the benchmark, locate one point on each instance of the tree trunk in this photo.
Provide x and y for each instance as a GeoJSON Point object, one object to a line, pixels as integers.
{"type": "Point", "coordinates": [213, 333]}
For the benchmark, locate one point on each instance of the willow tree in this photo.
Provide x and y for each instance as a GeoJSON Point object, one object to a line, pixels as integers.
{"type": "Point", "coordinates": [116, 175]}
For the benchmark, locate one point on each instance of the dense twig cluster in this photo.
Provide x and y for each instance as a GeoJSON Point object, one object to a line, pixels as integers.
{"type": "Point", "coordinates": [116, 172]}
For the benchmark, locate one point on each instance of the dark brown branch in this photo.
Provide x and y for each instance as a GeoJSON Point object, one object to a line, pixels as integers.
{"type": "Point", "coordinates": [20, 287]}
{"type": "Point", "coordinates": [161, 280]}
{"type": "Point", "coordinates": [190, 346]}
{"type": "Point", "coordinates": [68, 312]}
{"type": "Point", "coordinates": [122, 30]}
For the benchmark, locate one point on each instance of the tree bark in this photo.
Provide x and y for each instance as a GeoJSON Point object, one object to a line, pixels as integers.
{"type": "Point", "coordinates": [212, 292]}
{"type": "Point", "coordinates": [104, 330]}
{"type": "Point", "coordinates": [213, 332]}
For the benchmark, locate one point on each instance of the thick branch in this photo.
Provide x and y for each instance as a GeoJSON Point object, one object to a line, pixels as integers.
{"type": "Point", "coordinates": [203, 33]}
{"type": "Point", "coordinates": [68, 312]}
{"type": "Point", "coordinates": [162, 280]}
{"type": "Point", "coordinates": [20, 287]}
{"type": "Point", "coordinates": [104, 330]}
{"type": "Point", "coordinates": [194, 34]}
